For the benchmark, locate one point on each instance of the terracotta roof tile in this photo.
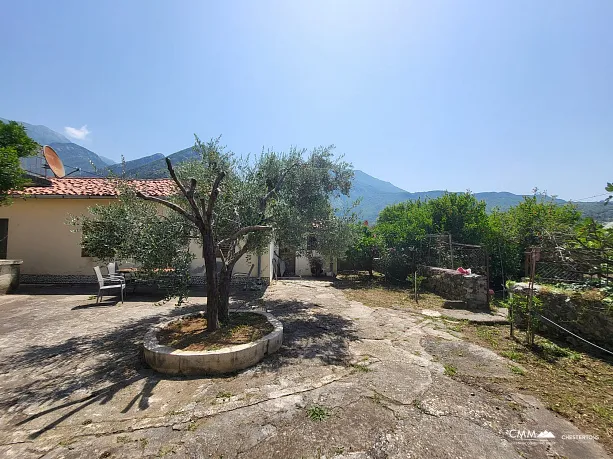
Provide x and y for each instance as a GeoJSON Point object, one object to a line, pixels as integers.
{"type": "Point", "coordinates": [75, 186]}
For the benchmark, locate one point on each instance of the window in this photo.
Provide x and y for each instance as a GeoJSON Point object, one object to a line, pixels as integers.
{"type": "Point", "coordinates": [312, 243]}
{"type": "Point", "coordinates": [4, 234]}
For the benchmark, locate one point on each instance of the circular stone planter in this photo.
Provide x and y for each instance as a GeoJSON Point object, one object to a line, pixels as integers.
{"type": "Point", "coordinates": [172, 361]}
{"type": "Point", "coordinates": [9, 275]}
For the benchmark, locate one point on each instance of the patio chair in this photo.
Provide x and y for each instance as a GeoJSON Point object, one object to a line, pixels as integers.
{"type": "Point", "coordinates": [108, 283]}
{"type": "Point", "coordinates": [112, 269]}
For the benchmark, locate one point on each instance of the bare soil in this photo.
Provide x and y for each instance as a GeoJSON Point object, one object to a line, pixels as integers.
{"type": "Point", "coordinates": [191, 334]}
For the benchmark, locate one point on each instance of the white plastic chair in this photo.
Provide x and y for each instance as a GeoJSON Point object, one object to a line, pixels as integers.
{"type": "Point", "coordinates": [107, 284]}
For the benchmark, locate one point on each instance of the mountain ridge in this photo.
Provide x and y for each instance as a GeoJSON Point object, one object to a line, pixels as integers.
{"type": "Point", "coordinates": [73, 156]}
{"type": "Point", "coordinates": [375, 193]}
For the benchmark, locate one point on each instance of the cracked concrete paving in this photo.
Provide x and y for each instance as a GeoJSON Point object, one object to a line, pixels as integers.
{"type": "Point", "coordinates": [72, 385]}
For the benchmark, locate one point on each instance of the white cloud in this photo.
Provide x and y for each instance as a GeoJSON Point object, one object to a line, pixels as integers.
{"type": "Point", "coordinates": [75, 133]}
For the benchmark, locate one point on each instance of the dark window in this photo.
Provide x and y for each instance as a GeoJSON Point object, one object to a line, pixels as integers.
{"type": "Point", "coordinates": [312, 243]}
{"type": "Point", "coordinates": [4, 234]}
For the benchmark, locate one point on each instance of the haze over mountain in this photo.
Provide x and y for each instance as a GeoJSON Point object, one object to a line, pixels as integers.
{"type": "Point", "coordinates": [374, 194]}
{"type": "Point", "coordinates": [156, 166]}
{"type": "Point", "coordinates": [130, 167]}
{"type": "Point", "coordinates": [109, 161]}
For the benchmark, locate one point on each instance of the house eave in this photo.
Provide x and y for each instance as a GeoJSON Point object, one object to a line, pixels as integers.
{"type": "Point", "coordinates": [63, 196]}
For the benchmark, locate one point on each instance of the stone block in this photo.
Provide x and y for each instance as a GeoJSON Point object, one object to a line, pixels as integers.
{"type": "Point", "coordinates": [9, 275]}
{"type": "Point", "coordinates": [471, 289]}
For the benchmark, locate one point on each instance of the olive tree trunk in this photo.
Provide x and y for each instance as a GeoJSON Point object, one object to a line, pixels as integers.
{"type": "Point", "coordinates": [212, 294]}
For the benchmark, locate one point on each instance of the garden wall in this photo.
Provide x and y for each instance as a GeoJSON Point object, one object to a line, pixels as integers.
{"type": "Point", "coordinates": [582, 313]}
{"type": "Point", "coordinates": [472, 289]}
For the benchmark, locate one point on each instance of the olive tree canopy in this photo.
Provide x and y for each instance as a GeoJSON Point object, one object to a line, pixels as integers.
{"type": "Point", "coordinates": [235, 205]}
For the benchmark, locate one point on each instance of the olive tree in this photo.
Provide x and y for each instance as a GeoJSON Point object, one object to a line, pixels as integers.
{"type": "Point", "coordinates": [234, 205]}
{"type": "Point", "coordinates": [136, 230]}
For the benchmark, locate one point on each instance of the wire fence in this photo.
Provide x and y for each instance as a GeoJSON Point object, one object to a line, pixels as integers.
{"type": "Point", "coordinates": [561, 260]}
{"type": "Point", "coordinates": [575, 335]}
{"type": "Point", "coordinates": [439, 250]}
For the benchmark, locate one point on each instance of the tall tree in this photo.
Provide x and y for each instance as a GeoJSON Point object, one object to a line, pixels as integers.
{"type": "Point", "coordinates": [461, 215]}
{"type": "Point", "coordinates": [235, 206]}
{"type": "Point", "coordinates": [14, 144]}
{"type": "Point", "coordinates": [365, 249]}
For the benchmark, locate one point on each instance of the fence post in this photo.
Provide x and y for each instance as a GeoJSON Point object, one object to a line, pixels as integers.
{"type": "Point", "coordinates": [531, 297]}
{"type": "Point", "coordinates": [451, 251]}
{"type": "Point", "coordinates": [511, 319]}
{"type": "Point", "coordinates": [487, 273]}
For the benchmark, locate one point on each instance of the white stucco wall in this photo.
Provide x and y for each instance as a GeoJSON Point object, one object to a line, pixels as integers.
{"type": "Point", "coordinates": [303, 268]}
{"type": "Point", "coordinates": [242, 266]}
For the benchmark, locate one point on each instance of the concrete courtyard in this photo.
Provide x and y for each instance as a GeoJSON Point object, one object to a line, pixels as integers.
{"type": "Point", "coordinates": [73, 385]}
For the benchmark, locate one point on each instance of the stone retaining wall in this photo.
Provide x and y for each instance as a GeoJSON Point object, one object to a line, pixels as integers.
{"type": "Point", "coordinates": [581, 313]}
{"type": "Point", "coordinates": [471, 290]}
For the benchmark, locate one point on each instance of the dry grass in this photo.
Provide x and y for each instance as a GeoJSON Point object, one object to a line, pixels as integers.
{"type": "Point", "coordinates": [574, 384]}
{"type": "Point", "coordinates": [191, 335]}
{"type": "Point", "coordinates": [377, 293]}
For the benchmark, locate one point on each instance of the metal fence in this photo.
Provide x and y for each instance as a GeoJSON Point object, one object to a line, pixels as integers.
{"type": "Point", "coordinates": [573, 265]}
{"type": "Point", "coordinates": [440, 251]}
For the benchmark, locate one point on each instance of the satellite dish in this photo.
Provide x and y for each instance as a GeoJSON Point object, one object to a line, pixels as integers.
{"type": "Point", "coordinates": [53, 161]}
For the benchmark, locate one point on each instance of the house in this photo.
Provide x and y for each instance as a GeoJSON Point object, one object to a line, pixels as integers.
{"type": "Point", "coordinates": [34, 229]}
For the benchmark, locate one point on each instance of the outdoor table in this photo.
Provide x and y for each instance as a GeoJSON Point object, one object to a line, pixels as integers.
{"type": "Point", "coordinates": [131, 275]}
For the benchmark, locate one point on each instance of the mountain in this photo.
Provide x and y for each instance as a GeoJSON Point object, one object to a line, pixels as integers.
{"type": "Point", "coordinates": [108, 161]}
{"type": "Point", "coordinates": [75, 156]}
{"type": "Point", "coordinates": [376, 194]}
{"type": "Point", "coordinates": [133, 167]}
{"type": "Point", "coordinates": [368, 182]}
{"type": "Point", "coordinates": [41, 134]}
{"type": "Point", "coordinates": [157, 168]}
{"type": "Point", "coordinates": [72, 155]}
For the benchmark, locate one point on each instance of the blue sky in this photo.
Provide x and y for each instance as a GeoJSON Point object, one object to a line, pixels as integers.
{"type": "Point", "coordinates": [486, 96]}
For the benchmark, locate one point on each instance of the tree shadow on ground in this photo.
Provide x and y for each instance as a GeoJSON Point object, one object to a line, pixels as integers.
{"type": "Point", "coordinates": [311, 332]}
{"type": "Point", "coordinates": [103, 364]}
{"type": "Point", "coordinates": [99, 365]}
{"type": "Point", "coordinates": [552, 348]}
